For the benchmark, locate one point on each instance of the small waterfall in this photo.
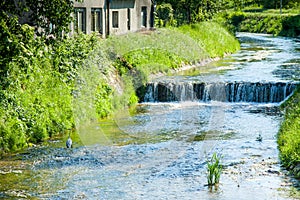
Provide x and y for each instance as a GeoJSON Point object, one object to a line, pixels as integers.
{"type": "Point", "coordinates": [265, 92]}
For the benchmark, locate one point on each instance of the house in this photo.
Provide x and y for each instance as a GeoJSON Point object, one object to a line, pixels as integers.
{"type": "Point", "coordinates": [113, 16]}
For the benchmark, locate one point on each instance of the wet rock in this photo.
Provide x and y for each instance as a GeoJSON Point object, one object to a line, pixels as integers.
{"type": "Point", "coordinates": [17, 194]}
{"type": "Point", "coordinates": [273, 171]}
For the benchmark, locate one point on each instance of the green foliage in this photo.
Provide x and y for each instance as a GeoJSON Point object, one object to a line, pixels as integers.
{"type": "Point", "coordinates": [104, 95]}
{"type": "Point", "coordinates": [214, 170]}
{"type": "Point", "coordinates": [69, 55]}
{"type": "Point", "coordinates": [261, 22]}
{"type": "Point", "coordinates": [37, 83]}
{"type": "Point", "coordinates": [212, 37]}
{"type": "Point", "coordinates": [288, 136]}
{"type": "Point", "coordinates": [193, 11]}
{"type": "Point", "coordinates": [165, 16]}
{"type": "Point", "coordinates": [50, 86]}
{"type": "Point", "coordinates": [52, 16]}
{"type": "Point", "coordinates": [291, 26]}
{"type": "Point", "coordinates": [141, 54]}
{"type": "Point", "coordinates": [154, 58]}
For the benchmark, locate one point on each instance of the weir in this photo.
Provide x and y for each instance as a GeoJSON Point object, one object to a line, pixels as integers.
{"type": "Point", "coordinates": [260, 92]}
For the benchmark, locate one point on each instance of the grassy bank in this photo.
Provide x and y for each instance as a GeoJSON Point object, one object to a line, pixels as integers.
{"type": "Point", "coordinates": [264, 21]}
{"type": "Point", "coordinates": [145, 53]}
{"type": "Point", "coordinates": [52, 86]}
{"type": "Point", "coordinates": [288, 136]}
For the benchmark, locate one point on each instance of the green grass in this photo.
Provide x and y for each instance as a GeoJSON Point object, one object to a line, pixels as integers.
{"type": "Point", "coordinates": [170, 48]}
{"type": "Point", "coordinates": [262, 21]}
{"type": "Point", "coordinates": [52, 87]}
{"type": "Point", "coordinates": [214, 170]}
{"type": "Point", "coordinates": [261, 10]}
{"type": "Point", "coordinates": [212, 37]}
{"type": "Point", "coordinates": [289, 134]}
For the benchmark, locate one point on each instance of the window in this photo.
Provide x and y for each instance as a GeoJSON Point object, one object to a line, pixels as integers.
{"type": "Point", "coordinates": [96, 20]}
{"type": "Point", "coordinates": [144, 16]}
{"type": "Point", "coordinates": [128, 19]}
{"type": "Point", "coordinates": [80, 24]}
{"type": "Point", "coordinates": [115, 19]}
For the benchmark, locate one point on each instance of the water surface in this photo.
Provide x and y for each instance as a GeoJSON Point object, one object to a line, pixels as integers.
{"type": "Point", "coordinates": [161, 151]}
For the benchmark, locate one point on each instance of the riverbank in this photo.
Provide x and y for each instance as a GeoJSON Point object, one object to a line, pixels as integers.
{"type": "Point", "coordinates": [167, 145]}
{"type": "Point", "coordinates": [288, 136]}
{"type": "Point", "coordinates": [262, 21]}
{"type": "Point", "coordinates": [95, 77]}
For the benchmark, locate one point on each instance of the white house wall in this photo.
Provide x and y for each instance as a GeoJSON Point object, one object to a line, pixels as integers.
{"type": "Point", "coordinates": [121, 6]}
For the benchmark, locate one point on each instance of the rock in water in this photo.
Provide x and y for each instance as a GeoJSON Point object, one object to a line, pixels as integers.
{"type": "Point", "coordinates": [69, 143]}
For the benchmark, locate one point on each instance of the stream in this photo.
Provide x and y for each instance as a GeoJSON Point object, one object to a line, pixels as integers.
{"type": "Point", "coordinates": [161, 151]}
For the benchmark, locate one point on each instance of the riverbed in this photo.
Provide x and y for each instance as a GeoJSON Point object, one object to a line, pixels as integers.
{"type": "Point", "coordinates": [161, 150]}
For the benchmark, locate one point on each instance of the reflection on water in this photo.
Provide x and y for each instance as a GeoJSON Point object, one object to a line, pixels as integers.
{"type": "Point", "coordinates": [160, 152]}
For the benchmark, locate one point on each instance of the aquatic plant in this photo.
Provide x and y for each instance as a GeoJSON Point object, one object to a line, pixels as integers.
{"type": "Point", "coordinates": [214, 170]}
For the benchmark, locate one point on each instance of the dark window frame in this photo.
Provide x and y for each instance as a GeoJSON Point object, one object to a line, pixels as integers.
{"type": "Point", "coordinates": [144, 16]}
{"type": "Point", "coordinates": [80, 24]}
{"type": "Point", "coordinates": [115, 19]}
{"type": "Point", "coordinates": [96, 20]}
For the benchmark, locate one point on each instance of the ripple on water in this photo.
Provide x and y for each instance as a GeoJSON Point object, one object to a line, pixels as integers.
{"type": "Point", "coordinates": [161, 152]}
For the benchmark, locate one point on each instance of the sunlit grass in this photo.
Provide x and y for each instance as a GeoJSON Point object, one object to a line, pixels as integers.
{"type": "Point", "coordinates": [168, 48]}
{"type": "Point", "coordinates": [293, 11]}
{"type": "Point", "coordinates": [212, 37]}
{"type": "Point", "coordinates": [289, 134]}
{"type": "Point", "coordinates": [214, 170]}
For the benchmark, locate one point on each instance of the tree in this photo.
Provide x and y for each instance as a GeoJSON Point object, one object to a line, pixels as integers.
{"type": "Point", "coordinates": [190, 11]}
{"type": "Point", "coordinates": [48, 16]}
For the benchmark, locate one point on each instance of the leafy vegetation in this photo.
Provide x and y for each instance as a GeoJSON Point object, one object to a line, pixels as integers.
{"type": "Point", "coordinates": [50, 86]}
{"type": "Point", "coordinates": [51, 16]}
{"type": "Point", "coordinates": [37, 83]}
{"type": "Point", "coordinates": [285, 25]}
{"type": "Point", "coordinates": [214, 170]}
{"type": "Point", "coordinates": [140, 55]}
{"type": "Point", "coordinates": [288, 136]}
{"type": "Point", "coordinates": [174, 12]}
{"type": "Point", "coordinates": [215, 40]}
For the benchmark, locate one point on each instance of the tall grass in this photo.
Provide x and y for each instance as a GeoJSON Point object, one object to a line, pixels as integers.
{"type": "Point", "coordinates": [264, 21]}
{"type": "Point", "coordinates": [169, 48]}
{"type": "Point", "coordinates": [288, 136]}
{"type": "Point", "coordinates": [212, 38]}
{"type": "Point", "coordinates": [214, 170]}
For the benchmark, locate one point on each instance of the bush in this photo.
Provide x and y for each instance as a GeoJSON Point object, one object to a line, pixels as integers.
{"type": "Point", "coordinates": [270, 23]}
{"type": "Point", "coordinates": [37, 82]}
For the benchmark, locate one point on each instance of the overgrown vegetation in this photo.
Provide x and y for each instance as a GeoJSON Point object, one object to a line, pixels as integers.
{"type": "Point", "coordinates": [215, 40]}
{"type": "Point", "coordinates": [51, 16]}
{"type": "Point", "coordinates": [142, 54]}
{"type": "Point", "coordinates": [288, 136]}
{"type": "Point", "coordinates": [176, 13]}
{"type": "Point", "coordinates": [37, 80]}
{"type": "Point", "coordinates": [49, 86]}
{"type": "Point", "coordinates": [214, 170]}
{"type": "Point", "coordinates": [257, 16]}
{"type": "Point", "coordinates": [276, 24]}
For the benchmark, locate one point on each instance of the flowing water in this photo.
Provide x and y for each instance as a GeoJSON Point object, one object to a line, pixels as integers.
{"type": "Point", "coordinates": [161, 151]}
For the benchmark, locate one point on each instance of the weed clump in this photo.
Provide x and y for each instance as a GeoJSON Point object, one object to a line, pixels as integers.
{"type": "Point", "coordinates": [214, 170]}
